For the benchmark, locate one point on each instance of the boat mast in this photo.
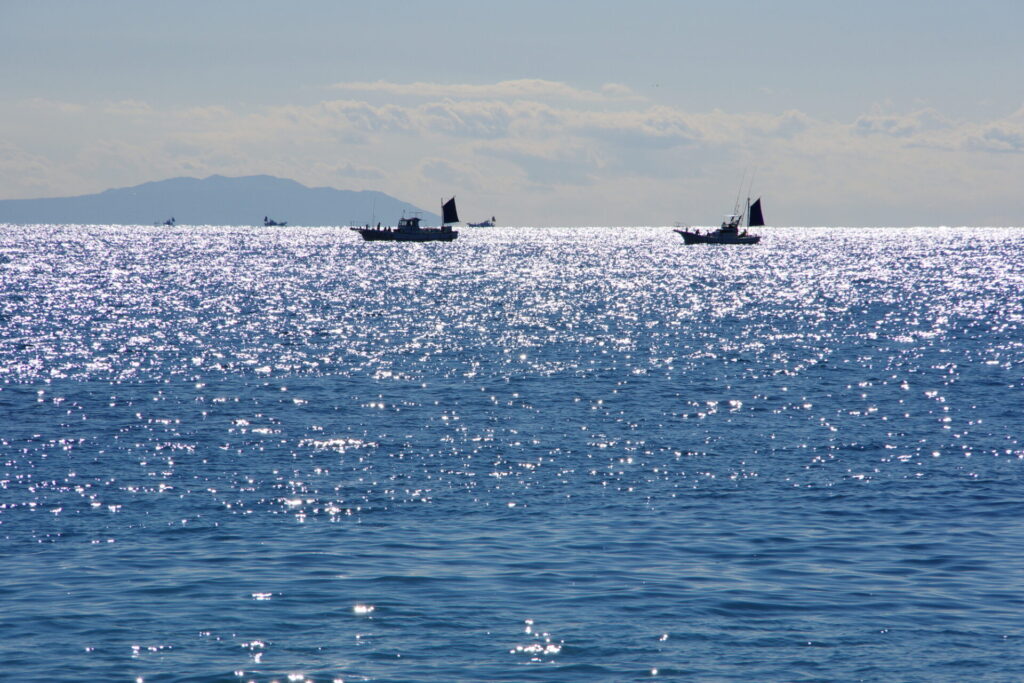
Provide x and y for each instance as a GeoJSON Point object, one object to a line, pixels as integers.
{"type": "Point", "coordinates": [750, 186]}
{"type": "Point", "coordinates": [739, 193]}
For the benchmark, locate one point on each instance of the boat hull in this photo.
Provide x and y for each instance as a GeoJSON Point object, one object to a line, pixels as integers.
{"type": "Point", "coordinates": [421, 235]}
{"type": "Point", "coordinates": [717, 238]}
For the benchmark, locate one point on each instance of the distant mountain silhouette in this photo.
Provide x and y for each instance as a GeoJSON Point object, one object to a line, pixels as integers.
{"type": "Point", "coordinates": [216, 200]}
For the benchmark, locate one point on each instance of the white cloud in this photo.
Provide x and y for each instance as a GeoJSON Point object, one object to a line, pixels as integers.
{"type": "Point", "coordinates": [29, 175]}
{"type": "Point", "coordinates": [998, 138]}
{"type": "Point", "coordinates": [128, 108]}
{"type": "Point", "coordinates": [350, 170]}
{"type": "Point", "coordinates": [548, 166]}
{"type": "Point", "coordinates": [925, 128]}
{"type": "Point", "coordinates": [659, 126]}
{"type": "Point", "coordinates": [524, 88]}
{"type": "Point", "coordinates": [1005, 135]}
{"type": "Point", "coordinates": [556, 158]}
{"type": "Point", "coordinates": [447, 174]}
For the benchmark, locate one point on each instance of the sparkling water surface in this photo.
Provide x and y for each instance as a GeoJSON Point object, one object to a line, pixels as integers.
{"type": "Point", "coordinates": [234, 454]}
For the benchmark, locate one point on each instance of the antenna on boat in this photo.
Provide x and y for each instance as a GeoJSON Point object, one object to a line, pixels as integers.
{"type": "Point", "coordinates": [739, 192]}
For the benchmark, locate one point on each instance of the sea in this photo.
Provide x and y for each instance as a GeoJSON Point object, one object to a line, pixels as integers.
{"type": "Point", "coordinates": [532, 454]}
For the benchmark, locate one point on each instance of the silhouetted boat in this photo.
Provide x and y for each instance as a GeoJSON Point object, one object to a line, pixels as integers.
{"type": "Point", "coordinates": [729, 233]}
{"type": "Point", "coordinates": [483, 224]}
{"type": "Point", "coordinates": [169, 221]}
{"type": "Point", "coordinates": [409, 229]}
{"type": "Point", "coordinates": [270, 223]}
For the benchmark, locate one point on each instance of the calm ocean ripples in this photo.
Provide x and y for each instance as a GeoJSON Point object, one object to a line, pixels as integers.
{"type": "Point", "coordinates": [530, 455]}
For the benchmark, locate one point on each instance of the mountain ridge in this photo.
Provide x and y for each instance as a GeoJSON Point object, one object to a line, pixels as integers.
{"type": "Point", "coordinates": [215, 200]}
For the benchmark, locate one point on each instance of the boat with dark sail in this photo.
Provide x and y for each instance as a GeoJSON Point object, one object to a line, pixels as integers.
{"type": "Point", "coordinates": [483, 224]}
{"type": "Point", "coordinates": [271, 223]}
{"type": "Point", "coordinates": [730, 232]}
{"type": "Point", "coordinates": [410, 230]}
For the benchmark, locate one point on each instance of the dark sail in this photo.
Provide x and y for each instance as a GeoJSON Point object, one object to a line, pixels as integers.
{"type": "Point", "coordinates": [756, 217]}
{"type": "Point", "coordinates": [450, 214]}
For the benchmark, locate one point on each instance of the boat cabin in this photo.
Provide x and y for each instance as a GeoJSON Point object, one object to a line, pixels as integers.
{"type": "Point", "coordinates": [410, 223]}
{"type": "Point", "coordinates": [732, 222]}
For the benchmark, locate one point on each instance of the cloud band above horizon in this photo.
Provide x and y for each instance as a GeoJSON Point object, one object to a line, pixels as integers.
{"type": "Point", "coordinates": [537, 151]}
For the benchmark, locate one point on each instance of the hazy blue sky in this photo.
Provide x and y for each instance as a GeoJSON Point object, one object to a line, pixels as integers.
{"type": "Point", "coordinates": [549, 113]}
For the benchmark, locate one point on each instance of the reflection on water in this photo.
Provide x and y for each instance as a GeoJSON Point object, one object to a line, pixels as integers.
{"type": "Point", "coordinates": [550, 454]}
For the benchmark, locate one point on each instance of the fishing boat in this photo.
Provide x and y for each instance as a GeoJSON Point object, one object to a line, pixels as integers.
{"type": "Point", "coordinates": [730, 232]}
{"type": "Point", "coordinates": [271, 223]}
{"type": "Point", "coordinates": [410, 230]}
{"type": "Point", "coordinates": [483, 224]}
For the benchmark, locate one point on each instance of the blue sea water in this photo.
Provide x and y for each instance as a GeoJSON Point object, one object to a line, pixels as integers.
{"type": "Point", "coordinates": [234, 454]}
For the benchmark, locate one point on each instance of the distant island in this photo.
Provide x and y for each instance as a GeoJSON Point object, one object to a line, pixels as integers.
{"type": "Point", "coordinates": [216, 200]}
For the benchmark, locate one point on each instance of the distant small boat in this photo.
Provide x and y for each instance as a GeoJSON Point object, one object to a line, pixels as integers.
{"type": "Point", "coordinates": [270, 223]}
{"type": "Point", "coordinates": [729, 233]}
{"type": "Point", "coordinates": [169, 221]}
{"type": "Point", "coordinates": [483, 224]}
{"type": "Point", "coordinates": [409, 229]}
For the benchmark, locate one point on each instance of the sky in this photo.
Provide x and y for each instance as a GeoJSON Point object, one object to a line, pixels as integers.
{"type": "Point", "coordinates": [554, 112]}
